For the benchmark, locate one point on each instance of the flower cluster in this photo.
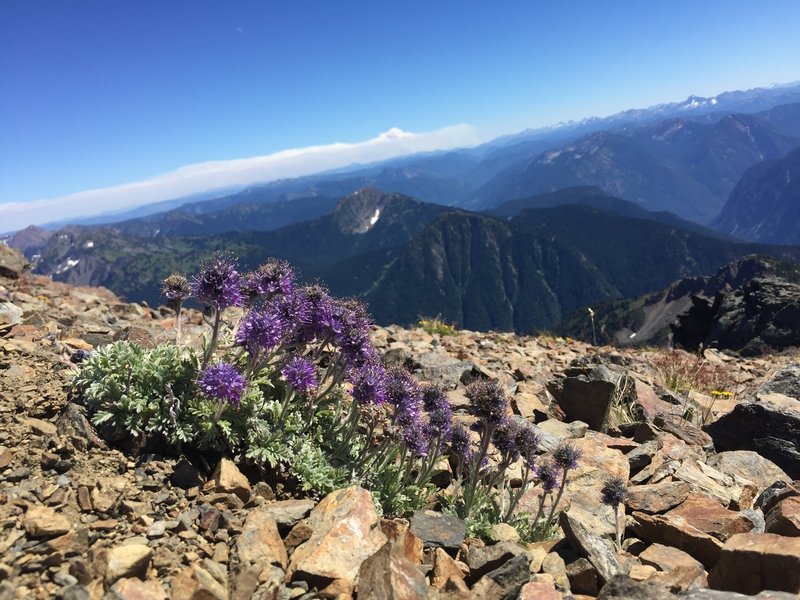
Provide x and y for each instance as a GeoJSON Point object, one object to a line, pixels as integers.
{"type": "Point", "coordinates": [300, 374]}
{"type": "Point", "coordinates": [218, 284]}
{"type": "Point", "coordinates": [221, 381]}
{"type": "Point", "coordinates": [489, 402]}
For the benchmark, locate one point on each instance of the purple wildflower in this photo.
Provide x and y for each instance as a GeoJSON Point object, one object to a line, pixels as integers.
{"type": "Point", "coordinates": [415, 435]}
{"type": "Point", "coordinates": [353, 340]}
{"type": "Point", "coordinates": [548, 473]}
{"type": "Point", "coordinates": [176, 288]}
{"type": "Point", "coordinates": [221, 381]}
{"type": "Point", "coordinates": [292, 309]}
{"type": "Point", "coordinates": [488, 400]}
{"type": "Point", "coordinates": [218, 283]}
{"type": "Point", "coordinates": [440, 413]}
{"type": "Point", "coordinates": [505, 440]}
{"type": "Point", "coordinates": [322, 322]}
{"type": "Point", "coordinates": [460, 444]}
{"type": "Point", "coordinates": [300, 374]}
{"type": "Point", "coordinates": [566, 456]}
{"type": "Point", "coordinates": [614, 492]}
{"type": "Point", "coordinates": [527, 442]}
{"type": "Point", "coordinates": [260, 329]}
{"type": "Point", "coordinates": [270, 279]}
{"type": "Point", "coordinates": [369, 383]}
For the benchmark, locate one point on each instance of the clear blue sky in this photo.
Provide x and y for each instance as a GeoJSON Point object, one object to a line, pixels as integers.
{"type": "Point", "coordinates": [98, 93]}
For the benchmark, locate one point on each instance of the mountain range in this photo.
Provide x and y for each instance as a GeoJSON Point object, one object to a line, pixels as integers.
{"type": "Point", "coordinates": [516, 234]}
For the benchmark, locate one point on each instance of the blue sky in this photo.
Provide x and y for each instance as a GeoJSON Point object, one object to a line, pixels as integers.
{"type": "Point", "coordinates": [96, 94]}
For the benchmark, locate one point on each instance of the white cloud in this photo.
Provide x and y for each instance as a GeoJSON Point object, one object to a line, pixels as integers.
{"type": "Point", "coordinates": [207, 176]}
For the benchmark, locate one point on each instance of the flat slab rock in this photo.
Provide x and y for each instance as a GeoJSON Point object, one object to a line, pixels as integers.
{"type": "Point", "coordinates": [750, 563]}
{"type": "Point", "coordinates": [437, 530]}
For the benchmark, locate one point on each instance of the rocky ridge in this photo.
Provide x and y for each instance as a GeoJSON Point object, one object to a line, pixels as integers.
{"type": "Point", "coordinates": [710, 512]}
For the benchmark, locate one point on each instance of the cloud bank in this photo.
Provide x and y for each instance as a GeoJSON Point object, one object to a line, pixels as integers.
{"type": "Point", "coordinates": [208, 176]}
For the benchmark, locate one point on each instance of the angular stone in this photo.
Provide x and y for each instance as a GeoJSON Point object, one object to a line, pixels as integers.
{"type": "Point", "coordinates": [675, 531]}
{"type": "Point", "coordinates": [228, 479]}
{"type": "Point", "coordinates": [504, 583]}
{"type": "Point", "coordinates": [445, 570]}
{"type": "Point", "coordinates": [345, 533]}
{"type": "Point", "coordinates": [437, 530]}
{"type": "Point", "coordinates": [585, 394]}
{"type": "Point", "coordinates": [706, 514]}
{"type": "Point", "coordinates": [130, 560]}
{"type": "Point", "coordinates": [582, 577]}
{"type": "Point", "coordinates": [762, 427]}
{"type": "Point", "coordinates": [623, 587]}
{"type": "Point", "coordinates": [260, 542]}
{"type": "Point", "coordinates": [43, 521]}
{"type": "Point", "coordinates": [750, 466]}
{"type": "Point", "coordinates": [667, 558]}
{"type": "Point", "coordinates": [554, 566]}
{"type": "Point", "coordinates": [400, 532]}
{"type": "Point", "coordinates": [682, 578]}
{"type": "Point", "coordinates": [539, 590]}
{"type": "Point", "coordinates": [657, 497]}
{"type": "Point", "coordinates": [647, 402]}
{"type": "Point", "coordinates": [784, 518]}
{"type": "Point", "coordinates": [107, 493]}
{"type": "Point", "coordinates": [483, 559]}
{"type": "Point", "coordinates": [196, 583]}
{"type": "Point", "coordinates": [6, 456]}
{"type": "Point", "coordinates": [503, 532]}
{"type": "Point", "coordinates": [774, 494]}
{"type": "Point", "coordinates": [389, 575]}
{"type": "Point", "coordinates": [685, 431]}
{"type": "Point", "coordinates": [41, 427]}
{"type": "Point", "coordinates": [707, 480]}
{"type": "Point", "coordinates": [750, 563]}
{"type": "Point", "coordinates": [598, 463]}
{"type": "Point", "coordinates": [590, 546]}
{"type": "Point", "coordinates": [131, 588]}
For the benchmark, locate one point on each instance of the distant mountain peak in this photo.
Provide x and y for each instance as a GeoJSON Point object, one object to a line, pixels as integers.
{"type": "Point", "coordinates": [361, 210]}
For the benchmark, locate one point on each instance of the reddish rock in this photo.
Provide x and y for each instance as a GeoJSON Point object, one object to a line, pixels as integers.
{"type": "Point", "coordinates": [195, 583]}
{"type": "Point", "coordinates": [389, 575]}
{"type": "Point", "coordinates": [400, 533]}
{"type": "Point", "coordinates": [132, 588]}
{"type": "Point", "coordinates": [751, 562]}
{"type": "Point", "coordinates": [540, 590]}
{"type": "Point", "coordinates": [260, 543]}
{"type": "Point", "coordinates": [345, 533]}
{"type": "Point", "coordinates": [784, 518]}
{"type": "Point", "coordinates": [446, 570]}
{"type": "Point", "coordinates": [649, 403]}
{"type": "Point", "coordinates": [749, 465]}
{"type": "Point", "coordinates": [682, 578]}
{"type": "Point", "coordinates": [657, 497]}
{"type": "Point", "coordinates": [707, 515]}
{"type": "Point", "coordinates": [43, 521]}
{"type": "Point", "coordinates": [228, 479]}
{"type": "Point", "coordinates": [666, 558]}
{"type": "Point", "coordinates": [673, 530]}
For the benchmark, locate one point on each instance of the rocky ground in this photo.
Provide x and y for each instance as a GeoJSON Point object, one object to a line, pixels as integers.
{"type": "Point", "coordinates": [713, 509]}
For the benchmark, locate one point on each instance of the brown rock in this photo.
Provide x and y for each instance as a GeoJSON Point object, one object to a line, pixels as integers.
{"type": "Point", "coordinates": [666, 558]}
{"type": "Point", "coordinates": [673, 530]}
{"type": "Point", "coordinates": [706, 514]}
{"type": "Point", "coordinates": [681, 579]}
{"type": "Point", "coordinates": [737, 495]}
{"type": "Point", "coordinates": [582, 577]}
{"type": "Point", "coordinates": [539, 590]}
{"type": "Point", "coordinates": [555, 566]}
{"type": "Point", "coordinates": [42, 521]}
{"type": "Point", "coordinates": [196, 583]}
{"type": "Point", "coordinates": [228, 479]}
{"type": "Point", "coordinates": [107, 493]}
{"type": "Point", "coordinates": [648, 402]}
{"type": "Point", "coordinates": [131, 588]}
{"type": "Point", "coordinates": [345, 533]}
{"type": "Point", "coordinates": [41, 427]}
{"type": "Point", "coordinates": [685, 431]}
{"type": "Point", "coordinates": [6, 456]}
{"type": "Point", "coordinates": [784, 519]}
{"type": "Point", "coordinates": [401, 533]}
{"type": "Point", "coordinates": [750, 563]}
{"type": "Point", "coordinates": [657, 497]}
{"type": "Point", "coordinates": [131, 560]}
{"type": "Point", "coordinates": [388, 575]}
{"type": "Point", "coordinates": [445, 570]}
{"type": "Point", "coordinates": [299, 534]}
{"type": "Point", "coordinates": [260, 543]}
{"type": "Point", "coordinates": [750, 466]}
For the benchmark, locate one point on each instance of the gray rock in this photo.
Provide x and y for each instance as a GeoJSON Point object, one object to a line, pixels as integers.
{"type": "Point", "coordinates": [437, 530]}
{"type": "Point", "coordinates": [487, 558]}
{"type": "Point", "coordinates": [585, 394]}
{"type": "Point", "coordinates": [442, 368]}
{"type": "Point", "coordinates": [590, 546]}
{"type": "Point", "coordinates": [786, 382]}
{"type": "Point", "coordinates": [622, 587]}
{"type": "Point", "coordinates": [763, 427]}
{"type": "Point", "coordinates": [506, 581]}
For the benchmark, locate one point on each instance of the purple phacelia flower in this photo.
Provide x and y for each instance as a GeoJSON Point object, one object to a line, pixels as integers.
{"type": "Point", "coordinates": [504, 439]}
{"type": "Point", "coordinates": [322, 323]}
{"type": "Point", "coordinates": [488, 401]}
{"type": "Point", "coordinates": [221, 381]}
{"type": "Point", "coordinates": [527, 442]}
{"type": "Point", "coordinates": [218, 283]}
{"type": "Point", "coordinates": [440, 413]}
{"type": "Point", "coordinates": [353, 340]}
{"type": "Point", "coordinates": [176, 288]}
{"type": "Point", "coordinates": [300, 374]}
{"type": "Point", "coordinates": [566, 456]}
{"type": "Point", "coordinates": [292, 309]}
{"type": "Point", "coordinates": [460, 444]}
{"type": "Point", "coordinates": [260, 329]}
{"type": "Point", "coordinates": [272, 278]}
{"type": "Point", "coordinates": [549, 474]}
{"type": "Point", "coordinates": [369, 383]}
{"type": "Point", "coordinates": [614, 492]}
{"type": "Point", "coordinates": [415, 436]}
